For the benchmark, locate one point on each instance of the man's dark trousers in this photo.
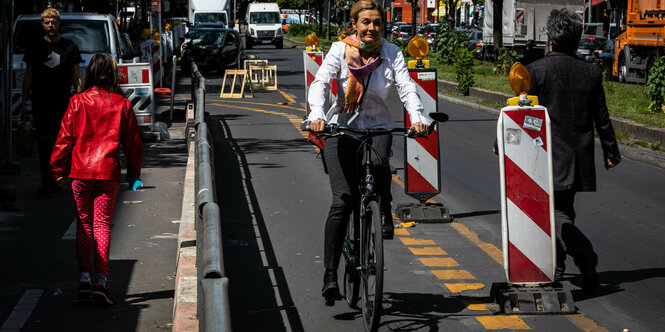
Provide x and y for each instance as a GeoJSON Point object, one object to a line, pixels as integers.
{"type": "Point", "coordinates": [47, 118]}
{"type": "Point", "coordinates": [569, 239]}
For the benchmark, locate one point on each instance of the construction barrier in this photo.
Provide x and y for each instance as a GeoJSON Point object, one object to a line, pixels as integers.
{"type": "Point", "coordinates": [421, 159]}
{"type": "Point", "coordinates": [422, 155]}
{"type": "Point", "coordinates": [311, 63]}
{"type": "Point", "coordinates": [527, 196]}
{"type": "Point", "coordinates": [136, 81]}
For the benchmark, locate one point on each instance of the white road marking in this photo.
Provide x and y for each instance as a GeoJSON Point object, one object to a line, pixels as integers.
{"type": "Point", "coordinates": [22, 310]}
{"type": "Point", "coordinates": [70, 234]}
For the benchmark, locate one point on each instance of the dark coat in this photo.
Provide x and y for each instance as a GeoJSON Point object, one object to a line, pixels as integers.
{"type": "Point", "coordinates": [572, 91]}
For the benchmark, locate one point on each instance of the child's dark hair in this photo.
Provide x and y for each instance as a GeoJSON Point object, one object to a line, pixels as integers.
{"type": "Point", "coordinates": [102, 72]}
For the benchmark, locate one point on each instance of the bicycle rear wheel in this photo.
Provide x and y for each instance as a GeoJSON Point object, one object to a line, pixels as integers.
{"type": "Point", "coordinates": [351, 275]}
{"type": "Point", "coordinates": [371, 274]}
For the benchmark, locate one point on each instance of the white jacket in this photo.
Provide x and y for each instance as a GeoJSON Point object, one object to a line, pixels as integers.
{"type": "Point", "coordinates": [376, 112]}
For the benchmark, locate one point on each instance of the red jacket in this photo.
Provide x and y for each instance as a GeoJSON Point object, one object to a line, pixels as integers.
{"type": "Point", "coordinates": [94, 126]}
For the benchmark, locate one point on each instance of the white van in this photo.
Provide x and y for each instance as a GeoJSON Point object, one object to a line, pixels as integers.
{"type": "Point", "coordinates": [264, 25]}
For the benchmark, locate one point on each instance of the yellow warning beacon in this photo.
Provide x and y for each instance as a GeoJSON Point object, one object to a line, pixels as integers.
{"type": "Point", "coordinates": [418, 49]}
{"type": "Point", "coordinates": [520, 82]}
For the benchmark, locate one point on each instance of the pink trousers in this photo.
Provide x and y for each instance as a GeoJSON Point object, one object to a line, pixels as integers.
{"type": "Point", "coordinates": [95, 201]}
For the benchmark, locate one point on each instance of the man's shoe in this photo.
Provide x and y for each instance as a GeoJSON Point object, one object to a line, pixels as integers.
{"type": "Point", "coordinates": [590, 278]}
{"type": "Point", "coordinates": [101, 294]}
{"type": "Point", "coordinates": [330, 290]}
{"type": "Point", "coordinates": [84, 291]}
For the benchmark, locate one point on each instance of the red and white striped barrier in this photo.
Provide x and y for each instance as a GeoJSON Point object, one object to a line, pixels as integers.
{"type": "Point", "coordinates": [311, 63]}
{"type": "Point", "coordinates": [422, 155]}
{"type": "Point", "coordinates": [527, 195]}
{"type": "Point", "coordinates": [136, 81]}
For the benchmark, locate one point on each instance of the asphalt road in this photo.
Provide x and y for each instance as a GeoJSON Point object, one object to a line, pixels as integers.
{"type": "Point", "coordinates": [274, 197]}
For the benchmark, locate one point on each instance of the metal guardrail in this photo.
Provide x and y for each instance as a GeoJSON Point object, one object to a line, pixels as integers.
{"type": "Point", "coordinates": [213, 307]}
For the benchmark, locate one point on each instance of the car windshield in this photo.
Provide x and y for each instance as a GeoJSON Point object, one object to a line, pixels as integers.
{"type": "Point", "coordinates": [208, 38]}
{"type": "Point", "coordinates": [90, 36]}
{"type": "Point", "coordinates": [264, 18]}
{"type": "Point", "coordinates": [210, 18]}
{"type": "Point", "coordinates": [590, 43]}
{"type": "Point", "coordinates": [434, 28]}
{"type": "Point", "coordinates": [405, 28]}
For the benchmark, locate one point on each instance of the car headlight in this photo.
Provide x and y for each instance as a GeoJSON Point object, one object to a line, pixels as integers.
{"type": "Point", "coordinates": [251, 31]}
{"type": "Point", "coordinates": [279, 32]}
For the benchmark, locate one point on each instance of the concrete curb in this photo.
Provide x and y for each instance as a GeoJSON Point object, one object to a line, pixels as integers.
{"type": "Point", "coordinates": [184, 303]}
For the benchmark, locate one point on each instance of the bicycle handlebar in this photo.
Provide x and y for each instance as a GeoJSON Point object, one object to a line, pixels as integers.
{"type": "Point", "coordinates": [335, 130]}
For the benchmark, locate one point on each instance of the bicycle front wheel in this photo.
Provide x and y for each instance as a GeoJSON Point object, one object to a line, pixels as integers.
{"type": "Point", "coordinates": [371, 276]}
{"type": "Point", "coordinates": [351, 274]}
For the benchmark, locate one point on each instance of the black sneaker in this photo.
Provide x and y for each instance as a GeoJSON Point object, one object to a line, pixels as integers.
{"type": "Point", "coordinates": [84, 291]}
{"type": "Point", "coordinates": [101, 294]}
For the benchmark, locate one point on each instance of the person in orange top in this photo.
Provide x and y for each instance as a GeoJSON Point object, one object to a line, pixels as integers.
{"type": "Point", "coordinates": [98, 120]}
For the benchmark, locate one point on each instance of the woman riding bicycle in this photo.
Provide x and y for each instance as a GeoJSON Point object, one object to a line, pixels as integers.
{"type": "Point", "coordinates": [366, 68]}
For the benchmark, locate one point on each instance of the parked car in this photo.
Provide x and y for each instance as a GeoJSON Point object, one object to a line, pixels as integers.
{"type": "Point", "coordinates": [397, 25]}
{"type": "Point", "coordinates": [588, 45]}
{"type": "Point", "coordinates": [429, 33]}
{"type": "Point", "coordinates": [403, 32]}
{"type": "Point", "coordinates": [193, 30]}
{"type": "Point", "coordinates": [476, 43]}
{"type": "Point", "coordinates": [213, 48]}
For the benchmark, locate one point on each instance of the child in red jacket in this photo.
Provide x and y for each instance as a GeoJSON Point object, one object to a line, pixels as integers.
{"type": "Point", "coordinates": [97, 121]}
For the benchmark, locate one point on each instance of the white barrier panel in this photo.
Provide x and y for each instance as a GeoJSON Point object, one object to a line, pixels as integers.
{"type": "Point", "coordinates": [136, 81]}
{"type": "Point", "coordinates": [422, 155]}
{"type": "Point", "coordinates": [527, 195]}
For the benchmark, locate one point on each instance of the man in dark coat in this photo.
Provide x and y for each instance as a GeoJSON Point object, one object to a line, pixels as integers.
{"type": "Point", "coordinates": [572, 91]}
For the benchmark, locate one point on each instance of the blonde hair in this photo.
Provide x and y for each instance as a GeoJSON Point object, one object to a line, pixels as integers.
{"type": "Point", "coordinates": [51, 13]}
{"type": "Point", "coordinates": [102, 72]}
{"type": "Point", "coordinates": [368, 5]}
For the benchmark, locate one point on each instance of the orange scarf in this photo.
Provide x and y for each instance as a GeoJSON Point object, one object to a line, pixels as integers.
{"type": "Point", "coordinates": [357, 71]}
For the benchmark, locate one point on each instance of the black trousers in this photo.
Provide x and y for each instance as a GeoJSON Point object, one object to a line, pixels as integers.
{"type": "Point", "coordinates": [344, 159]}
{"type": "Point", "coordinates": [569, 239]}
{"type": "Point", "coordinates": [47, 117]}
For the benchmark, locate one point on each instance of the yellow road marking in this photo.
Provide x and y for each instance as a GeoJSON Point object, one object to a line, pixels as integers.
{"type": "Point", "coordinates": [586, 324]}
{"type": "Point", "coordinates": [431, 251]}
{"type": "Point", "coordinates": [439, 261]}
{"type": "Point", "coordinates": [453, 274]}
{"type": "Point", "coordinates": [487, 247]}
{"type": "Point", "coordinates": [262, 104]}
{"type": "Point", "coordinates": [413, 242]}
{"type": "Point", "coordinates": [402, 232]}
{"type": "Point", "coordinates": [475, 305]}
{"type": "Point", "coordinates": [503, 323]}
{"type": "Point", "coordinates": [460, 287]}
{"type": "Point", "coordinates": [291, 100]}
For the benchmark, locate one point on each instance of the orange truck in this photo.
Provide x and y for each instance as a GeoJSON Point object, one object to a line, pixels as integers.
{"type": "Point", "coordinates": [642, 42]}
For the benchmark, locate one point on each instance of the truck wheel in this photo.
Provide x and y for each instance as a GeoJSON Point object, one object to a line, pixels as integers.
{"type": "Point", "coordinates": [623, 71]}
{"type": "Point", "coordinates": [248, 43]}
{"type": "Point", "coordinates": [280, 44]}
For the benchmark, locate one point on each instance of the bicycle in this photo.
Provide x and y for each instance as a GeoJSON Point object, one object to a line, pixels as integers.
{"type": "Point", "coordinates": [363, 243]}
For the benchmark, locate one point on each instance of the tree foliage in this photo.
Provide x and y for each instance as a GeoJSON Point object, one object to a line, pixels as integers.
{"type": "Point", "coordinates": [655, 88]}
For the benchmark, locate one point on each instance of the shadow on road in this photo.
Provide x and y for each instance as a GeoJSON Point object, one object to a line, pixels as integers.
{"type": "Point", "coordinates": [259, 295]}
{"type": "Point", "coordinates": [611, 281]}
